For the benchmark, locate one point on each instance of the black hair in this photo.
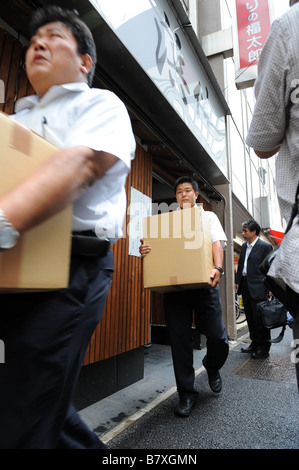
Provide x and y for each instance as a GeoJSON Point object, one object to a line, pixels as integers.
{"type": "Point", "coordinates": [252, 225]}
{"type": "Point", "coordinates": [186, 179]}
{"type": "Point", "coordinates": [80, 30]}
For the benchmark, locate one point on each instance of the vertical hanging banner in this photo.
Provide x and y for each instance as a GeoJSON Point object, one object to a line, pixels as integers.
{"type": "Point", "coordinates": [253, 26]}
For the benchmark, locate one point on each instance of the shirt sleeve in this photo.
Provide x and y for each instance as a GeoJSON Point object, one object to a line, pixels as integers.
{"type": "Point", "coordinates": [217, 232]}
{"type": "Point", "coordinates": [268, 123]}
{"type": "Point", "coordinates": [103, 124]}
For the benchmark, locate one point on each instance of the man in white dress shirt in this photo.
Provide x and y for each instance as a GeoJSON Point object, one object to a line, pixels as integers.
{"type": "Point", "coordinates": [249, 284]}
{"type": "Point", "coordinates": [205, 304]}
{"type": "Point", "coordinates": [46, 334]}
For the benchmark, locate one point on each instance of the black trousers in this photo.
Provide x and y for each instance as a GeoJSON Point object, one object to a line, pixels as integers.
{"type": "Point", "coordinates": [46, 336]}
{"type": "Point", "coordinates": [205, 304]}
{"type": "Point", "coordinates": [258, 334]}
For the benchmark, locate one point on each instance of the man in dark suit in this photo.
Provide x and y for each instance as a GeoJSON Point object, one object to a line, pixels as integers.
{"type": "Point", "coordinates": [249, 284]}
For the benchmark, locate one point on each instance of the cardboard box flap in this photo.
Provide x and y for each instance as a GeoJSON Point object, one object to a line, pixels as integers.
{"type": "Point", "coordinates": [40, 261]}
{"type": "Point", "coordinates": [20, 152]}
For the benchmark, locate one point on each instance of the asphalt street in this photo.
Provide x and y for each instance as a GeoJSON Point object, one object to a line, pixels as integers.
{"type": "Point", "coordinates": [257, 408]}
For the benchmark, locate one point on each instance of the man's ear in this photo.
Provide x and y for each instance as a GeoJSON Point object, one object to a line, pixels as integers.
{"type": "Point", "coordinates": [86, 64]}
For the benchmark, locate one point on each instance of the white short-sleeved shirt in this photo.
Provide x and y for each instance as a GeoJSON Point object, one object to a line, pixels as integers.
{"type": "Point", "coordinates": [76, 115]}
{"type": "Point", "coordinates": [275, 120]}
{"type": "Point", "coordinates": [217, 232]}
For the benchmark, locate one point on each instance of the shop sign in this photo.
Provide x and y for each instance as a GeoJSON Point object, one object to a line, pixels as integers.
{"type": "Point", "coordinates": [253, 26]}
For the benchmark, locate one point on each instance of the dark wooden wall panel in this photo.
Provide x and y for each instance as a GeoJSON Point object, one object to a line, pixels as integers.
{"type": "Point", "coordinates": [12, 71]}
{"type": "Point", "coordinates": [125, 324]}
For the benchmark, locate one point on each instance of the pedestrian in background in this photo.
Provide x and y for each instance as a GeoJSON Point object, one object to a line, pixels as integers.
{"type": "Point", "coordinates": [249, 284]}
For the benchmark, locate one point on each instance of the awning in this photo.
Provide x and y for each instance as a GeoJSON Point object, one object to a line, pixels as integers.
{"type": "Point", "coordinates": [278, 236]}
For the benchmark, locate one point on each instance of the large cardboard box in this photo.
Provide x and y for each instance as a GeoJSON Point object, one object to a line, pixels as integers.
{"type": "Point", "coordinates": [181, 250]}
{"type": "Point", "coordinates": [40, 261]}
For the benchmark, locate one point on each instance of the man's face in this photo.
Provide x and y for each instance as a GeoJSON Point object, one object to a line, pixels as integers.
{"type": "Point", "coordinates": [52, 58]}
{"type": "Point", "coordinates": [185, 195]}
{"type": "Point", "coordinates": [247, 235]}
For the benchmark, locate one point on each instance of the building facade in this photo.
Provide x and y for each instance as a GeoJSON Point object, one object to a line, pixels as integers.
{"type": "Point", "coordinates": [251, 188]}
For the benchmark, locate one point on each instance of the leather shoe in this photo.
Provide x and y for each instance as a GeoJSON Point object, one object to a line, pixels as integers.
{"type": "Point", "coordinates": [185, 406]}
{"type": "Point", "coordinates": [260, 354]}
{"type": "Point", "coordinates": [215, 383]}
{"type": "Point", "coordinates": [250, 349]}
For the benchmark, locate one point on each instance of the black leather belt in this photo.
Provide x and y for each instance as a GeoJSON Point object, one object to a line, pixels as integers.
{"type": "Point", "coordinates": [88, 244]}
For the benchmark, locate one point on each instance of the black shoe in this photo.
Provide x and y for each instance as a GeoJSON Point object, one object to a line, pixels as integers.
{"type": "Point", "coordinates": [250, 349]}
{"type": "Point", "coordinates": [215, 382]}
{"type": "Point", "coordinates": [185, 406]}
{"type": "Point", "coordinates": [260, 354]}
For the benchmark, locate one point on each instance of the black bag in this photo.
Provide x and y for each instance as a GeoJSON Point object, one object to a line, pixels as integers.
{"type": "Point", "coordinates": [288, 297]}
{"type": "Point", "coordinates": [273, 315]}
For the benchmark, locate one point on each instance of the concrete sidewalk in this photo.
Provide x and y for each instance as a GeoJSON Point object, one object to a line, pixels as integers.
{"type": "Point", "coordinates": [257, 408]}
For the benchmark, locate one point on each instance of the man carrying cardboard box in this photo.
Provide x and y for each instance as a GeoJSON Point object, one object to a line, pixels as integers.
{"type": "Point", "coordinates": [46, 334]}
{"type": "Point", "coordinates": [206, 305]}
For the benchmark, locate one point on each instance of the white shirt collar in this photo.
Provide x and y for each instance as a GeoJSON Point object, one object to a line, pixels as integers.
{"type": "Point", "coordinates": [54, 92]}
{"type": "Point", "coordinates": [253, 243]}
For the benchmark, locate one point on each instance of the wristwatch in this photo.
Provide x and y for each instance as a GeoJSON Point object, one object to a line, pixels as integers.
{"type": "Point", "coordinates": [8, 234]}
{"type": "Point", "coordinates": [219, 269]}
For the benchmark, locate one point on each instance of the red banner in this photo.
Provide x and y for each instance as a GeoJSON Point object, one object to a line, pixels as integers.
{"type": "Point", "coordinates": [253, 21]}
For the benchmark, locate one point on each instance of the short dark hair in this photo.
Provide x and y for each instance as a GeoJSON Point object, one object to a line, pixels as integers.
{"type": "Point", "coordinates": [252, 225]}
{"type": "Point", "coordinates": [186, 179]}
{"type": "Point", "coordinates": [78, 28]}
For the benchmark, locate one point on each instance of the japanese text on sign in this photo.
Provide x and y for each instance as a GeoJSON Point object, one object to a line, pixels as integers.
{"type": "Point", "coordinates": [253, 28]}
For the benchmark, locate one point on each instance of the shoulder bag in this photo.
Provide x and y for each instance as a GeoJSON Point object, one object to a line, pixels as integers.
{"type": "Point", "coordinates": [273, 315]}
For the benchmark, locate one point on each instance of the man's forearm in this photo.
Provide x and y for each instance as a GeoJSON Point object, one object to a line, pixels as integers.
{"type": "Point", "coordinates": [55, 185]}
{"type": "Point", "coordinates": [268, 154]}
{"type": "Point", "coordinates": [217, 252]}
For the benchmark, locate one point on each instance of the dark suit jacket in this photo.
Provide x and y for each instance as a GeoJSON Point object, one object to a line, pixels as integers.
{"type": "Point", "coordinates": [255, 278]}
